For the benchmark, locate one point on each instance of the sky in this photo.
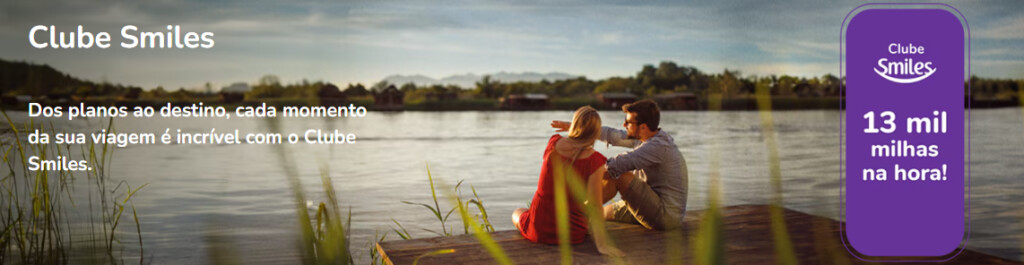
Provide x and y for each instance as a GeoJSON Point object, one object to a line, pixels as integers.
{"type": "Point", "coordinates": [364, 41]}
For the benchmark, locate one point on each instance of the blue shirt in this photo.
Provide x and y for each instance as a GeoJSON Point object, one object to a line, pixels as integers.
{"type": "Point", "coordinates": [656, 161]}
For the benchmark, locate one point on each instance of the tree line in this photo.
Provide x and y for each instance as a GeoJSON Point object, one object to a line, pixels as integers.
{"type": "Point", "coordinates": [21, 78]}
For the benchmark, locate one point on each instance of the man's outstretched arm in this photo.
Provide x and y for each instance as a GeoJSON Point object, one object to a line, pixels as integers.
{"type": "Point", "coordinates": [617, 137]}
{"type": "Point", "coordinates": [642, 157]}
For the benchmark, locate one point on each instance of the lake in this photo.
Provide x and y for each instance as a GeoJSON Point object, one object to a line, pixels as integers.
{"type": "Point", "coordinates": [238, 196]}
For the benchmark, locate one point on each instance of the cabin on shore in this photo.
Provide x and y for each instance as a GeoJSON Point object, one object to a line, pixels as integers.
{"type": "Point", "coordinates": [330, 95]}
{"type": "Point", "coordinates": [234, 93]}
{"type": "Point", "coordinates": [529, 101]}
{"type": "Point", "coordinates": [678, 101]}
{"type": "Point", "coordinates": [388, 99]}
{"type": "Point", "coordinates": [229, 97]}
{"type": "Point", "coordinates": [615, 100]}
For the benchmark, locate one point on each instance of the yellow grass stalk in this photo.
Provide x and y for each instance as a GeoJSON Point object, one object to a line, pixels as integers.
{"type": "Point", "coordinates": [784, 253]}
{"type": "Point", "coordinates": [481, 235]}
{"type": "Point", "coordinates": [709, 245]}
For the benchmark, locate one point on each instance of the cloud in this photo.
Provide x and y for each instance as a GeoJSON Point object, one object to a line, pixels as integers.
{"type": "Point", "coordinates": [1006, 28]}
{"type": "Point", "coordinates": [799, 49]}
{"type": "Point", "coordinates": [998, 68]}
{"type": "Point", "coordinates": [597, 39]}
{"type": "Point", "coordinates": [794, 69]}
{"type": "Point", "coordinates": [611, 38]}
{"type": "Point", "coordinates": [998, 62]}
{"type": "Point", "coordinates": [999, 52]}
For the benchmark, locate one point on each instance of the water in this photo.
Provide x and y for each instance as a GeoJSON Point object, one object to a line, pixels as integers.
{"type": "Point", "coordinates": [238, 196]}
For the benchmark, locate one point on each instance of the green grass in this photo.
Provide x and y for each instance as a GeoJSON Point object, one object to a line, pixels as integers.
{"type": "Point", "coordinates": [708, 245]}
{"type": "Point", "coordinates": [435, 209]}
{"type": "Point", "coordinates": [481, 235]}
{"type": "Point", "coordinates": [565, 178]}
{"type": "Point", "coordinates": [442, 215]}
{"type": "Point", "coordinates": [478, 225]}
{"type": "Point", "coordinates": [784, 253]}
{"type": "Point", "coordinates": [35, 216]}
{"type": "Point", "coordinates": [375, 257]}
{"type": "Point", "coordinates": [432, 253]}
{"type": "Point", "coordinates": [324, 238]}
{"type": "Point", "coordinates": [561, 176]}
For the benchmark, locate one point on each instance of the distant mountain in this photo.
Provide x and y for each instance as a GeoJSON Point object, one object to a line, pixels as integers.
{"type": "Point", "coordinates": [398, 80]}
{"type": "Point", "coordinates": [469, 80]}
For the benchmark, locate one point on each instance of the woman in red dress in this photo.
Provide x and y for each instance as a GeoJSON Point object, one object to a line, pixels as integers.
{"type": "Point", "coordinates": [538, 223]}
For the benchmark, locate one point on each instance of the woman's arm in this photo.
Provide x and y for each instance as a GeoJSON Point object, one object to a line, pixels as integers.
{"type": "Point", "coordinates": [609, 135]}
{"type": "Point", "coordinates": [560, 126]}
{"type": "Point", "coordinates": [595, 213]}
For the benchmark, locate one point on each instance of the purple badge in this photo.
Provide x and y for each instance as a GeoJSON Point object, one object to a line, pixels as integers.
{"type": "Point", "coordinates": [904, 175]}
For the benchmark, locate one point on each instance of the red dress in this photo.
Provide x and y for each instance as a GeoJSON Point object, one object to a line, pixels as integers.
{"type": "Point", "coordinates": [538, 223]}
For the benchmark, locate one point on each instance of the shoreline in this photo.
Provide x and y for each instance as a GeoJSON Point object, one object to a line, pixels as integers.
{"type": "Point", "coordinates": [734, 104]}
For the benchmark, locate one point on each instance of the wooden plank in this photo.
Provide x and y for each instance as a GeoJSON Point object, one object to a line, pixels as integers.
{"type": "Point", "coordinates": [746, 231]}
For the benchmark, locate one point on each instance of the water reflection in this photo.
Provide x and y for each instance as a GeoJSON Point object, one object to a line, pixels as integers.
{"type": "Point", "coordinates": [204, 196]}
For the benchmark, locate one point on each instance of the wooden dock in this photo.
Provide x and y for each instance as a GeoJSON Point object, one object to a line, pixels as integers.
{"type": "Point", "coordinates": [746, 231]}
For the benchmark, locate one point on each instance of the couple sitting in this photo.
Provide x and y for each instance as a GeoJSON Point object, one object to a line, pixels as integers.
{"type": "Point", "coordinates": [651, 178]}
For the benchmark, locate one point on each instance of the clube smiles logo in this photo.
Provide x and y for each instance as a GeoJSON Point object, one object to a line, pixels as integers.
{"type": "Point", "coordinates": [908, 70]}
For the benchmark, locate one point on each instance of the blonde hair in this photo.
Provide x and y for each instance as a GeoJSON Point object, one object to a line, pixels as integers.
{"type": "Point", "coordinates": [586, 125]}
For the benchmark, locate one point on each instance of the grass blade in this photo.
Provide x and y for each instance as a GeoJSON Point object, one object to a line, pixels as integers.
{"type": "Point", "coordinates": [433, 194]}
{"type": "Point", "coordinates": [404, 234]}
{"type": "Point", "coordinates": [784, 252]}
{"type": "Point", "coordinates": [485, 239]}
{"type": "Point", "coordinates": [433, 253]}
